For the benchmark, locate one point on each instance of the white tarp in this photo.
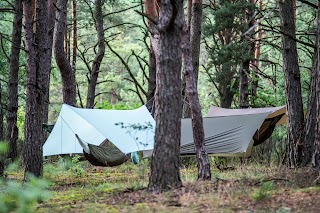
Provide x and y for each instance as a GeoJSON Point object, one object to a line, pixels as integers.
{"type": "Point", "coordinates": [129, 130]}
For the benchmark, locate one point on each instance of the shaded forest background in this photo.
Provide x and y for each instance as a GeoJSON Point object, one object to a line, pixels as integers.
{"type": "Point", "coordinates": [104, 50]}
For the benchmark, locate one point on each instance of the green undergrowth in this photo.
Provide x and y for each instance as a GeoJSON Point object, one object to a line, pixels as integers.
{"type": "Point", "coordinates": [241, 187]}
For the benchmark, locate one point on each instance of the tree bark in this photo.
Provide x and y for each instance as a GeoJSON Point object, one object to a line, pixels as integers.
{"type": "Point", "coordinates": [195, 20]}
{"type": "Point", "coordinates": [195, 36]}
{"type": "Point", "coordinates": [1, 133]}
{"type": "Point", "coordinates": [203, 164]}
{"type": "Point", "coordinates": [152, 11]}
{"type": "Point", "coordinates": [226, 88]}
{"type": "Point", "coordinates": [12, 88]}
{"type": "Point", "coordinates": [316, 154]}
{"type": "Point", "coordinates": [152, 79]}
{"type": "Point", "coordinates": [292, 84]}
{"type": "Point", "coordinates": [311, 115]}
{"type": "Point", "coordinates": [36, 41]}
{"type": "Point", "coordinates": [99, 56]}
{"type": "Point", "coordinates": [255, 80]}
{"type": "Point", "coordinates": [67, 74]}
{"type": "Point", "coordinates": [244, 85]}
{"type": "Point", "coordinates": [164, 174]}
{"type": "Point", "coordinates": [245, 68]}
{"type": "Point", "coordinates": [1, 116]}
{"type": "Point", "coordinates": [48, 56]}
{"type": "Point", "coordinates": [74, 35]}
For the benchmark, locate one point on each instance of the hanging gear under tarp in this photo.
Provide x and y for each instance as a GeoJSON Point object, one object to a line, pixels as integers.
{"type": "Point", "coordinates": [106, 154]}
{"type": "Point", "coordinates": [48, 127]}
{"type": "Point", "coordinates": [266, 129]}
{"type": "Point", "coordinates": [129, 130]}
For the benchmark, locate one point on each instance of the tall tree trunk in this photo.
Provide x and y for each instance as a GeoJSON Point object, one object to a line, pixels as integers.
{"type": "Point", "coordinates": [67, 74]}
{"type": "Point", "coordinates": [292, 84]}
{"type": "Point", "coordinates": [227, 85]}
{"type": "Point", "coordinates": [1, 134]}
{"type": "Point", "coordinates": [195, 21]}
{"type": "Point", "coordinates": [36, 41]}
{"type": "Point", "coordinates": [204, 172]}
{"type": "Point", "coordinates": [310, 125]}
{"type": "Point", "coordinates": [244, 85]}
{"type": "Point", "coordinates": [316, 154]}
{"type": "Point", "coordinates": [255, 79]}
{"type": "Point", "coordinates": [1, 115]}
{"type": "Point", "coordinates": [99, 56]}
{"type": "Point", "coordinates": [245, 68]}
{"type": "Point", "coordinates": [50, 30]}
{"type": "Point", "coordinates": [227, 89]}
{"type": "Point", "coordinates": [151, 80]}
{"type": "Point", "coordinates": [12, 88]}
{"type": "Point", "coordinates": [164, 174]}
{"type": "Point", "coordinates": [195, 36]}
{"type": "Point", "coordinates": [74, 35]}
{"type": "Point", "coordinates": [151, 10]}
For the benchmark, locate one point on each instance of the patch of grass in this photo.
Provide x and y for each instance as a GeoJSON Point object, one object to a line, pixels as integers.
{"type": "Point", "coordinates": [72, 195]}
{"type": "Point", "coordinates": [99, 207]}
{"type": "Point", "coordinates": [123, 189]}
{"type": "Point", "coordinates": [310, 189]}
{"type": "Point", "coordinates": [263, 191]}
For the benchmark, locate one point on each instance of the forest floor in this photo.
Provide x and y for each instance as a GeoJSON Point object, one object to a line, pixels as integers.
{"type": "Point", "coordinates": [245, 187]}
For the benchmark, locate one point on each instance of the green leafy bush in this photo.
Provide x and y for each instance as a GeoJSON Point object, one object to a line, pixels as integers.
{"type": "Point", "coordinates": [17, 197]}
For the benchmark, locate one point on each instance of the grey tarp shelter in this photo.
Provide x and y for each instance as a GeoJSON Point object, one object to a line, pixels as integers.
{"type": "Point", "coordinates": [229, 132]}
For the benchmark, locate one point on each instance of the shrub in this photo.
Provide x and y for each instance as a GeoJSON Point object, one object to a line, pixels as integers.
{"type": "Point", "coordinates": [262, 192]}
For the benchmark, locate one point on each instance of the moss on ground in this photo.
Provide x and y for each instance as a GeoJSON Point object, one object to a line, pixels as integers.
{"type": "Point", "coordinates": [124, 189]}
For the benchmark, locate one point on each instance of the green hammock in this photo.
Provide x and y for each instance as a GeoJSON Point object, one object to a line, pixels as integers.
{"type": "Point", "coordinates": [48, 127]}
{"type": "Point", "coordinates": [106, 154]}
